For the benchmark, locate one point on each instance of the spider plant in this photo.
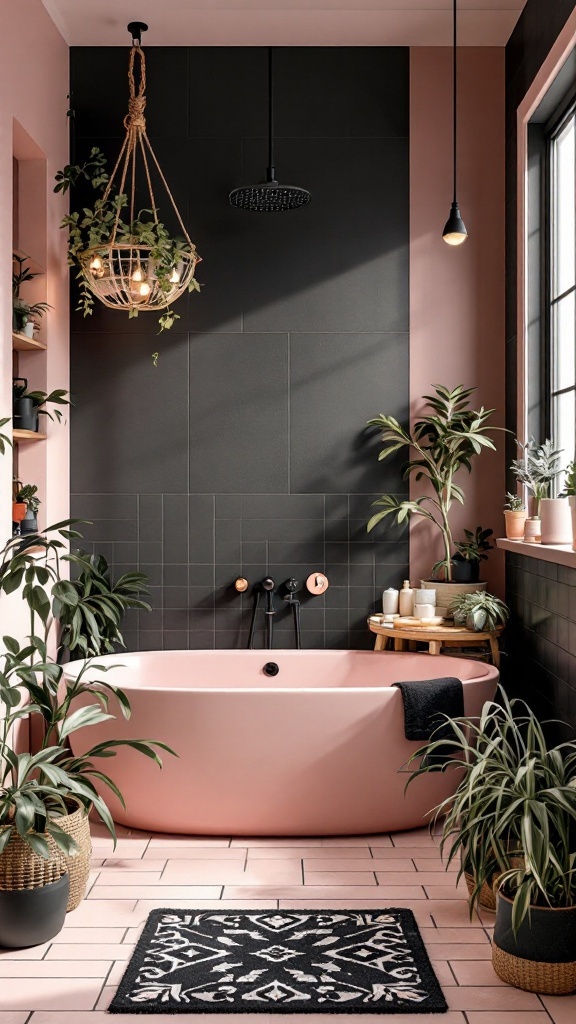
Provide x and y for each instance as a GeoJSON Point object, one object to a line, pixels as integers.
{"type": "Point", "coordinates": [538, 468]}
{"type": "Point", "coordinates": [442, 442]}
{"type": "Point", "coordinates": [480, 611]}
{"type": "Point", "coordinates": [514, 811]}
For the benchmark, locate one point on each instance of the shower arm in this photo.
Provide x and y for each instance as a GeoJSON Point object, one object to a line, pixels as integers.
{"type": "Point", "coordinates": [270, 170]}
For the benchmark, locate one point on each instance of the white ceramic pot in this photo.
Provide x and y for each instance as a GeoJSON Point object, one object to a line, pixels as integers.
{"type": "Point", "coordinates": [572, 504]}
{"type": "Point", "coordinates": [556, 521]}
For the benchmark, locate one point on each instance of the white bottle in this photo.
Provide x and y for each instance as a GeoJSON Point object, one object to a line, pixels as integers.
{"type": "Point", "coordinates": [390, 601]}
{"type": "Point", "coordinates": [406, 599]}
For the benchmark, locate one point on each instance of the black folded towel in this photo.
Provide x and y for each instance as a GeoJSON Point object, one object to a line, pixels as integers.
{"type": "Point", "coordinates": [425, 701]}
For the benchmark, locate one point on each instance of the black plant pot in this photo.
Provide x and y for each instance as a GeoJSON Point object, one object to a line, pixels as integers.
{"type": "Point", "coordinates": [541, 957]}
{"type": "Point", "coordinates": [29, 524]}
{"type": "Point", "coordinates": [29, 917]}
{"type": "Point", "coordinates": [25, 414]}
{"type": "Point", "coordinates": [464, 571]}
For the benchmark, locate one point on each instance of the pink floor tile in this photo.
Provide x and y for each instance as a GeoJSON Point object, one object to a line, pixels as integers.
{"type": "Point", "coordinates": [195, 853]}
{"type": "Point", "coordinates": [102, 1017]}
{"type": "Point", "coordinates": [430, 852]}
{"type": "Point", "coordinates": [380, 892]}
{"type": "Point", "coordinates": [442, 971]}
{"type": "Point", "coordinates": [49, 993]}
{"type": "Point", "coordinates": [427, 878]}
{"type": "Point", "coordinates": [116, 972]}
{"type": "Point", "coordinates": [13, 1018]}
{"type": "Point", "coordinates": [98, 830]}
{"type": "Point", "coordinates": [490, 998]}
{"type": "Point", "coordinates": [102, 912]}
{"type": "Point", "coordinates": [263, 872]}
{"type": "Point", "coordinates": [33, 953]}
{"type": "Point", "coordinates": [145, 906]}
{"type": "Point", "coordinates": [473, 936]}
{"type": "Point", "coordinates": [102, 848]}
{"type": "Point", "coordinates": [435, 864]}
{"type": "Point", "coordinates": [562, 1009]}
{"type": "Point", "coordinates": [125, 864]}
{"type": "Point", "coordinates": [380, 840]}
{"type": "Point", "coordinates": [155, 892]}
{"type": "Point", "coordinates": [92, 935]}
{"type": "Point", "coordinates": [322, 853]}
{"type": "Point", "coordinates": [87, 951]}
{"type": "Point", "coordinates": [358, 864]}
{"type": "Point", "coordinates": [475, 972]}
{"type": "Point", "coordinates": [339, 877]}
{"type": "Point", "coordinates": [200, 842]}
{"type": "Point", "coordinates": [505, 1017]}
{"type": "Point", "coordinates": [419, 837]}
{"type": "Point", "coordinates": [93, 968]}
{"type": "Point", "coordinates": [445, 892]}
{"type": "Point", "coordinates": [470, 952]}
{"type": "Point", "coordinates": [130, 878]}
{"type": "Point", "coordinates": [452, 913]}
{"type": "Point", "coordinates": [258, 841]}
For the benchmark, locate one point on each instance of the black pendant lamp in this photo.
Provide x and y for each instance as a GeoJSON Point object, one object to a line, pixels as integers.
{"type": "Point", "coordinates": [268, 196]}
{"type": "Point", "coordinates": [455, 230]}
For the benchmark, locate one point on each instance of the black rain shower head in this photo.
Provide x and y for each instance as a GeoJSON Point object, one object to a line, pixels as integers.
{"type": "Point", "coordinates": [268, 196]}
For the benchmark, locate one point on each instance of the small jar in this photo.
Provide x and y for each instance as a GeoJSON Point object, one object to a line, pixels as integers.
{"type": "Point", "coordinates": [390, 601]}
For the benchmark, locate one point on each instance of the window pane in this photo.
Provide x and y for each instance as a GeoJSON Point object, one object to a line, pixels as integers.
{"type": "Point", "coordinates": [564, 344]}
{"type": "Point", "coordinates": [564, 420]}
{"type": "Point", "coordinates": [563, 227]}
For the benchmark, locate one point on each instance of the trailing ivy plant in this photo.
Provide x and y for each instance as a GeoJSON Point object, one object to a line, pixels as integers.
{"type": "Point", "coordinates": [92, 227]}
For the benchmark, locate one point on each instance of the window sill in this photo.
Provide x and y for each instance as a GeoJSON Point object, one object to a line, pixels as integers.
{"type": "Point", "coordinates": [562, 554]}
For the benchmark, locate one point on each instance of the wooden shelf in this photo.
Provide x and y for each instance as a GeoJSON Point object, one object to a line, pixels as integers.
{"type": "Point", "coordinates": [28, 435]}
{"type": "Point", "coordinates": [22, 343]}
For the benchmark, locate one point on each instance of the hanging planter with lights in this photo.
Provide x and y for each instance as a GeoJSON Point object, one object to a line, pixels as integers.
{"type": "Point", "coordinates": [126, 258]}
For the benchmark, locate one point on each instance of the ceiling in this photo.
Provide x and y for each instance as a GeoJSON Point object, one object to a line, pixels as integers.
{"type": "Point", "coordinates": [286, 22]}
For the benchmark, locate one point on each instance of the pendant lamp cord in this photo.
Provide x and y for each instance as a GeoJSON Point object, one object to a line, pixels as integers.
{"type": "Point", "coordinates": [271, 168]}
{"type": "Point", "coordinates": [454, 95]}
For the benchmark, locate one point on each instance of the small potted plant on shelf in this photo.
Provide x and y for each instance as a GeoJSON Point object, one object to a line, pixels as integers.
{"type": "Point", "coordinates": [481, 612]}
{"type": "Point", "coordinates": [21, 309]}
{"type": "Point", "coordinates": [469, 553]}
{"type": "Point", "coordinates": [28, 405]}
{"type": "Point", "coordinates": [4, 439]}
{"type": "Point", "coordinates": [539, 467]}
{"type": "Point", "coordinates": [515, 516]}
{"type": "Point", "coordinates": [59, 787]}
{"type": "Point", "coordinates": [570, 493]}
{"type": "Point", "coordinates": [27, 495]}
{"type": "Point", "coordinates": [443, 441]}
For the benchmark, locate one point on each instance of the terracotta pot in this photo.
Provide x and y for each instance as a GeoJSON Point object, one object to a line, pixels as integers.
{"type": "Point", "coordinates": [556, 523]}
{"type": "Point", "coordinates": [532, 530]}
{"type": "Point", "coordinates": [18, 511]}
{"type": "Point", "coordinates": [515, 523]}
{"type": "Point", "coordinates": [572, 504]}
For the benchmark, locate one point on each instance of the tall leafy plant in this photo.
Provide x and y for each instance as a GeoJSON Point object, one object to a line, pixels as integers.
{"type": "Point", "coordinates": [441, 443]}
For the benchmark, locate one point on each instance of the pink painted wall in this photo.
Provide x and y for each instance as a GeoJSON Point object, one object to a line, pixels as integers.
{"type": "Point", "coordinates": [33, 127]}
{"type": "Point", "coordinates": [457, 293]}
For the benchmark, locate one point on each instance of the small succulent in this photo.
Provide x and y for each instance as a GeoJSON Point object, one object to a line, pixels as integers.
{"type": "Point", "coordinates": [514, 503]}
{"type": "Point", "coordinates": [479, 612]}
{"type": "Point", "coordinates": [570, 481]}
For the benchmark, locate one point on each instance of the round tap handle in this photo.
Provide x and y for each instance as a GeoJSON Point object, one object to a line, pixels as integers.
{"type": "Point", "coordinates": [268, 583]}
{"type": "Point", "coordinates": [317, 583]}
{"type": "Point", "coordinates": [291, 585]}
{"type": "Point", "coordinates": [241, 585]}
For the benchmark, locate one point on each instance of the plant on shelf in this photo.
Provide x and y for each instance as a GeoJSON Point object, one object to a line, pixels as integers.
{"type": "Point", "coordinates": [444, 440]}
{"type": "Point", "coordinates": [61, 787]}
{"type": "Point", "coordinates": [514, 503]}
{"type": "Point", "coordinates": [469, 553]}
{"type": "Point", "coordinates": [4, 439]}
{"type": "Point", "coordinates": [92, 625]}
{"type": "Point", "coordinates": [21, 309]}
{"type": "Point", "coordinates": [570, 493]}
{"type": "Point", "coordinates": [91, 231]}
{"type": "Point", "coordinates": [36, 312]}
{"type": "Point", "coordinates": [28, 405]}
{"type": "Point", "coordinates": [512, 823]}
{"type": "Point", "coordinates": [480, 612]}
{"type": "Point", "coordinates": [537, 471]}
{"type": "Point", "coordinates": [27, 495]}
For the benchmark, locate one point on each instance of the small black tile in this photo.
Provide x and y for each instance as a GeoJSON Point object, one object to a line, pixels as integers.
{"type": "Point", "coordinates": [228, 506]}
{"type": "Point", "coordinates": [175, 618]}
{"type": "Point", "coordinates": [362, 575]}
{"type": "Point", "coordinates": [175, 597]}
{"type": "Point", "coordinates": [200, 618]}
{"type": "Point", "coordinates": [336, 618]}
{"type": "Point", "coordinates": [336, 553]}
{"type": "Point", "coordinates": [254, 551]}
{"type": "Point", "coordinates": [175, 640]}
{"type": "Point", "coordinates": [201, 640]}
{"type": "Point", "coordinates": [202, 575]}
{"type": "Point", "coordinates": [154, 573]}
{"type": "Point", "coordinates": [229, 640]}
{"type": "Point", "coordinates": [361, 553]}
{"type": "Point", "coordinates": [336, 597]}
{"type": "Point", "coordinates": [152, 620]}
{"type": "Point", "coordinates": [198, 597]}
{"type": "Point", "coordinates": [104, 506]}
{"type": "Point", "coordinates": [228, 541]}
{"type": "Point", "coordinates": [149, 530]}
{"type": "Point", "coordinates": [337, 640]}
{"type": "Point", "coordinates": [283, 506]}
{"type": "Point", "coordinates": [150, 640]}
{"type": "Point", "coordinates": [175, 575]}
{"type": "Point", "coordinates": [224, 576]}
{"type": "Point", "coordinates": [150, 506]}
{"type": "Point", "coordinates": [336, 530]}
{"type": "Point", "coordinates": [297, 553]}
{"type": "Point", "coordinates": [338, 574]}
{"type": "Point", "coordinates": [150, 551]}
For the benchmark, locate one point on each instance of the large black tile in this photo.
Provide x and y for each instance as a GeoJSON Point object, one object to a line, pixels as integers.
{"type": "Point", "coordinates": [239, 419]}
{"type": "Point", "coordinates": [337, 382]}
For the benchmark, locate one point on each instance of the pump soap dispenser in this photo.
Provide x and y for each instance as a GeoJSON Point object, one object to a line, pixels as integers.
{"type": "Point", "coordinates": [406, 599]}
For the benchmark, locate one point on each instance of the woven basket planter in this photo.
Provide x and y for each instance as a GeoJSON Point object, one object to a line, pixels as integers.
{"type": "Point", "coordinates": [487, 899]}
{"type": "Point", "coordinates": [535, 959]}
{"type": "Point", "coordinates": [77, 825]}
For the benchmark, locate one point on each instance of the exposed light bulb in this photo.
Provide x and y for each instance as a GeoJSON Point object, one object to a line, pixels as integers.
{"type": "Point", "coordinates": [174, 276]}
{"type": "Point", "coordinates": [96, 267]}
{"type": "Point", "coordinates": [137, 275]}
{"type": "Point", "coordinates": [144, 289]}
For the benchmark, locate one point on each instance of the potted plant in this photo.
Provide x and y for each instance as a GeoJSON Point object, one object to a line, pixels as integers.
{"type": "Point", "coordinates": [469, 553]}
{"type": "Point", "coordinates": [20, 308]}
{"type": "Point", "coordinates": [4, 439]}
{"type": "Point", "coordinates": [570, 493]}
{"type": "Point", "coordinates": [28, 405]}
{"type": "Point", "coordinates": [27, 496]}
{"type": "Point", "coordinates": [515, 516]}
{"type": "Point", "coordinates": [443, 441]}
{"type": "Point", "coordinates": [481, 612]}
{"type": "Point", "coordinates": [537, 470]}
{"type": "Point", "coordinates": [35, 313]}
{"type": "Point", "coordinates": [53, 699]}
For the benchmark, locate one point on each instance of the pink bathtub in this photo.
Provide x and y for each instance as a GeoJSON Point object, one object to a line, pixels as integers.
{"type": "Point", "coordinates": [315, 750]}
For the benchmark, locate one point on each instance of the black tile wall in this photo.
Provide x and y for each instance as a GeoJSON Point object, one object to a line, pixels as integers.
{"type": "Point", "coordinates": [542, 636]}
{"type": "Point", "coordinates": [244, 451]}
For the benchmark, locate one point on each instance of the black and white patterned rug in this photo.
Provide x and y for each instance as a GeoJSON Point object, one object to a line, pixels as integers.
{"type": "Point", "coordinates": [279, 961]}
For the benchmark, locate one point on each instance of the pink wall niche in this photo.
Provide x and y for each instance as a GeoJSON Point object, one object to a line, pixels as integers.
{"type": "Point", "coordinates": [34, 130]}
{"type": "Point", "coordinates": [457, 329]}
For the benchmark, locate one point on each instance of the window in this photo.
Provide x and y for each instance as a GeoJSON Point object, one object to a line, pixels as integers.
{"type": "Point", "coordinates": [561, 284]}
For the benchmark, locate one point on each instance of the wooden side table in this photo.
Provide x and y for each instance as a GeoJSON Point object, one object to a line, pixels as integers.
{"type": "Point", "coordinates": [437, 637]}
